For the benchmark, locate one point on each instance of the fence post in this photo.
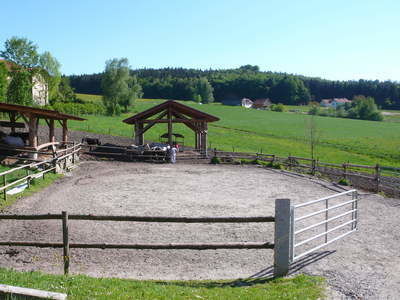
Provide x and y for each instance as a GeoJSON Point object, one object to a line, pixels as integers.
{"type": "Point", "coordinates": [345, 171]}
{"type": "Point", "coordinates": [5, 190]}
{"type": "Point", "coordinates": [377, 177]}
{"type": "Point", "coordinates": [65, 242]}
{"type": "Point", "coordinates": [313, 163]}
{"type": "Point", "coordinates": [283, 237]}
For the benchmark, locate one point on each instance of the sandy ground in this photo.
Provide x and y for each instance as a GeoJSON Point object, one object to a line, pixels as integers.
{"type": "Point", "coordinates": [364, 265]}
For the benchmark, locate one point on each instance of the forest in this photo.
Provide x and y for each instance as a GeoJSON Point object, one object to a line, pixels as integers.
{"type": "Point", "coordinates": [247, 82]}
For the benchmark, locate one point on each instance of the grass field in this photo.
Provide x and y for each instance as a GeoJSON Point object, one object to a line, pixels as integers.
{"type": "Point", "coordinates": [341, 140]}
{"type": "Point", "coordinates": [84, 287]}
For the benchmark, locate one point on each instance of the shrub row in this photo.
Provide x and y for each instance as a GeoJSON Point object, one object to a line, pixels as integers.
{"type": "Point", "coordinates": [79, 108]}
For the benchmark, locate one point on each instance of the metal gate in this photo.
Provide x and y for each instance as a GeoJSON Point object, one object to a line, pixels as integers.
{"type": "Point", "coordinates": [331, 213]}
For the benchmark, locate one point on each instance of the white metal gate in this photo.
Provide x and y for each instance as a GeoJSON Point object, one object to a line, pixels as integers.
{"type": "Point", "coordinates": [331, 213]}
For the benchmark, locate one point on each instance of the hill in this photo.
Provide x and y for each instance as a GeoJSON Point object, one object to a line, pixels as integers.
{"type": "Point", "coordinates": [248, 82]}
{"type": "Point", "coordinates": [341, 140]}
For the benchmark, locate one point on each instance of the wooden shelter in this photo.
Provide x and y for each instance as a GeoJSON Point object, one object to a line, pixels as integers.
{"type": "Point", "coordinates": [30, 117]}
{"type": "Point", "coordinates": [170, 112]}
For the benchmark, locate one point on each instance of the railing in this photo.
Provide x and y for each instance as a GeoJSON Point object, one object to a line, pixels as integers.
{"type": "Point", "coordinates": [66, 245]}
{"type": "Point", "coordinates": [47, 166]}
{"type": "Point", "coordinates": [352, 223]}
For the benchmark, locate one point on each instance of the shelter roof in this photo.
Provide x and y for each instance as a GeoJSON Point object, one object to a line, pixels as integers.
{"type": "Point", "coordinates": [174, 106]}
{"type": "Point", "coordinates": [38, 112]}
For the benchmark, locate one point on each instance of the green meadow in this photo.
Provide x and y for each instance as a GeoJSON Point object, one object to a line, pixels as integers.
{"type": "Point", "coordinates": [85, 287]}
{"type": "Point", "coordinates": [240, 129]}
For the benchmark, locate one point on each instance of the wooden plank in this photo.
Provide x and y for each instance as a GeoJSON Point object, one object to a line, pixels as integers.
{"type": "Point", "coordinates": [32, 217]}
{"type": "Point", "coordinates": [360, 166]}
{"type": "Point", "coordinates": [177, 246]}
{"type": "Point", "coordinates": [15, 292]}
{"type": "Point", "coordinates": [175, 219]}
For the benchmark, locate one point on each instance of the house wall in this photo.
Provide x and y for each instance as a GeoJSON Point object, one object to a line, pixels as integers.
{"type": "Point", "coordinates": [40, 91]}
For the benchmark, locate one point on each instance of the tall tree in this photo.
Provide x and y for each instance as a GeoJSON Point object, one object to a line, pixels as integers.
{"type": "Point", "coordinates": [204, 89]}
{"type": "Point", "coordinates": [20, 51]}
{"type": "Point", "coordinates": [20, 88]}
{"type": "Point", "coordinates": [3, 82]}
{"type": "Point", "coordinates": [120, 89]}
{"type": "Point", "coordinates": [52, 75]}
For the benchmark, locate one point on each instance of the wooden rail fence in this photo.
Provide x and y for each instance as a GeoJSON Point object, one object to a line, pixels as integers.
{"type": "Point", "coordinates": [66, 245]}
{"type": "Point", "coordinates": [376, 178]}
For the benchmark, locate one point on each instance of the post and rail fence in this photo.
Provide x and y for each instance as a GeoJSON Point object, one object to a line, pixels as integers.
{"type": "Point", "coordinates": [285, 220]}
{"type": "Point", "coordinates": [375, 178]}
{"type": "Point", "coordinates": [62, 159]}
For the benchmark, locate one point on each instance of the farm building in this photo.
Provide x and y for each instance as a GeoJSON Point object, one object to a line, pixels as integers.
{"type": "Point", "coordinates": [170, 112]}
{"type": "Point", "coordinates": [27, 138]}
{"type": "Point", "coordinates": [40, 88]}
{"type": "Point", "coordinates": [335, 102]}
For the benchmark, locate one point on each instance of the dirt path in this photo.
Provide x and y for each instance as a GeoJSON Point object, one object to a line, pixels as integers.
{"type": "Point", "coordinates": [365, 264]}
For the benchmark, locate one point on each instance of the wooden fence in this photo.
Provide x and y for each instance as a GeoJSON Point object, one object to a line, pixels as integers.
{"type": "Point", "coordinates": [375, 178]}
{"type": "Point", "coordinates": [27, 172]}
{"type": "Point", "coordinates": [66, 245]}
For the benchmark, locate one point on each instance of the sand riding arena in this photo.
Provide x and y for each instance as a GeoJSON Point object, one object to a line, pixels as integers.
{"type": "Point", "coordinates": [362, 264]}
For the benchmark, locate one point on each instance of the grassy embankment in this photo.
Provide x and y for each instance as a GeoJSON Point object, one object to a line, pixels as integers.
{"type": "Point", "coordinates": [341, 140]}
{"type": "Point", "coordinates": [84, 287]}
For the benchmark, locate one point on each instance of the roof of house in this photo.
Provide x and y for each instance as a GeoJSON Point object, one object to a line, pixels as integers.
{"type": "Point", "coordinates": [262, 102]}
{"type": "Point", "coordinates": [38, 112]}
{"type": "Point", "coordinates": [341, 100]}
{"type": "Point", "coordinates": [176, 106]}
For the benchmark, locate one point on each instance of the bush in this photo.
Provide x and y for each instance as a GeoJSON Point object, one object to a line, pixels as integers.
{"type": "Point", "coordinates": [344, 182]}
{"type": "Point", "coordinates": [277, 107]}
{"type": "Point", "coordinates": [79, 108]}
{"type": "Point", "coordinates": [314, 110]}
{"type": "Point", "coordinates": [215, 160]}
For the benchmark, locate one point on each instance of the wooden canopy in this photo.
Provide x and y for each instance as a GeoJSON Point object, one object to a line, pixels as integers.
{"type": "Point", "coordinates": [170, 112]}
{"type": "Point", "coordinates": [31, 116]}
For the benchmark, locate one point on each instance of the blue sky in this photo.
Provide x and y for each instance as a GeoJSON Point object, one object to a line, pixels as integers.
{"type": "Point", "coordinates": [330, 39]}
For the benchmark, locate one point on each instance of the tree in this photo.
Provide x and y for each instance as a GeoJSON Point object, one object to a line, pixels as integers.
{"type": "Point", "coordinates": [3, 82]}
{"type": "Point", "coordinates": [119, 87]}
{"type": "Point", "coordinates": [204, 89]}
{"type": "Point", "coordinates": [364, 108]}
{"type": "Point", "coordinates": [312, 135]}
{"type": "Point", "coordinates": [65, 92]}
{"type": "Point", "coordinates": [21, 51]}
{"type": "Point", "coordinates": [52, 75]}
{"type": "Point", "coordinates": [134, 92]}
{"type": "Point", "coordinates": [20, 88]}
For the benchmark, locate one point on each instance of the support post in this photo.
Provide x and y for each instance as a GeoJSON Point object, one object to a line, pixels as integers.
{"type": "Point", "coordinates": [64, 131]}
{"type": "Point", "coordinates": [52, 137]}
{"type": "Point", "coordinates": [13, 120]}
{"type": "Point", "coordinates": [169, 126]}
{"type": "Point", "coordinates": [283, 237]}
{"type": "Point", "coordinates": [65, 242]}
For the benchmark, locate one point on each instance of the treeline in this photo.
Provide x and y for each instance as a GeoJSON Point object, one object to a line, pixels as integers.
{"type": "Point", "coordinates": [247, 82]}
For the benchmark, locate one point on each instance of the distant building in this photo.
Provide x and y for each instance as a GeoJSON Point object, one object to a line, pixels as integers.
{"type": "Point", "coordinates": [261, 103]}
{"type": "Point", "coordinates": [335, 102]}
{"type": "Point", "coordinates": [40, 88]}
{"type": "Point", "coordinates": [247, 103]}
